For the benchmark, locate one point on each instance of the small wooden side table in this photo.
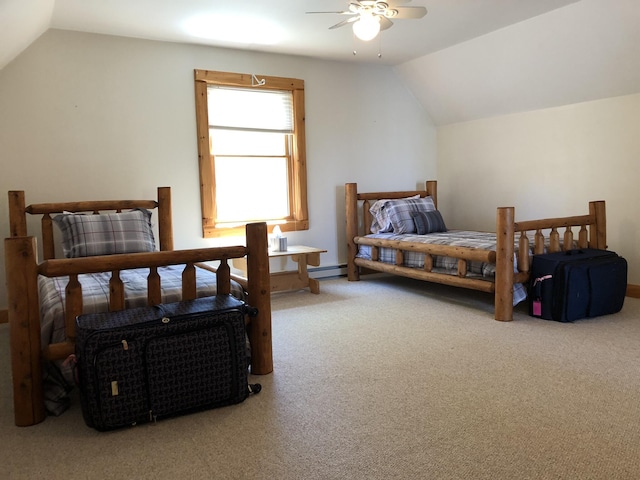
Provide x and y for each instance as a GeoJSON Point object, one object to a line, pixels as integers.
{"type": "Point", "coordinates": [293, 279]}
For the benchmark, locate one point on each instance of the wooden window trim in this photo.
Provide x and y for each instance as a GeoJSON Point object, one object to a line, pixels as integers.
{"type": "Point", "coordinates": [299, 219]}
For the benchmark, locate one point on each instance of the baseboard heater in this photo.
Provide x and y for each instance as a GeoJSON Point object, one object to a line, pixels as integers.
{"type": "Point", "coordinates": [328, 271]}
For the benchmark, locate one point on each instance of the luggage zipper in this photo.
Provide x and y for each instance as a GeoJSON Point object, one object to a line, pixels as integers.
{"type": "Point", "coordinates": [540, 279]}
{"type": "Point", "coordinates": [114, 385]}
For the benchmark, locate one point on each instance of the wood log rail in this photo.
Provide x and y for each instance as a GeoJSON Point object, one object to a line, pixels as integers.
{"type": "Point", "coordinates": [73, 267]}
{"type": "Point", "coordinates": [464, 254]}
{"type": "Point", "coordinates": [590, 234]}
{"type": "Point", "coordinates": [419, 274]}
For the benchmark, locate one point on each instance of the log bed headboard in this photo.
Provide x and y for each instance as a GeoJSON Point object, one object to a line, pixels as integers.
{"type": "Point", "coordinates": [18, 217]}
{"type": "Point", "coordinates": [353, 199]}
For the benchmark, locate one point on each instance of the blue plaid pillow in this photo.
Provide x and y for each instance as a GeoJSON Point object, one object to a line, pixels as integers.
{"type": "Point", "coordinates": [381, 222]}
{"type": "Point", "coordinates": [399, 212]}
{"type": "Point", "coordinates": [428, 222]}
{"type": "Point", "coordinates": [106, 234]}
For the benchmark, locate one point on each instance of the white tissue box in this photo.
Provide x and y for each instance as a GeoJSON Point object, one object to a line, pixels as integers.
{"type": "Point", "coordinates": [279, 244]}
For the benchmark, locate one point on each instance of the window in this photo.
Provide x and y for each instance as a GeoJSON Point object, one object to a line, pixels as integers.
{"type": "Point", "coordinates": [251, 149]}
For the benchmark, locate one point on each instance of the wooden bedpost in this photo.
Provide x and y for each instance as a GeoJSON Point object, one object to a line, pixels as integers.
{"type": "Point", "coordinates": [598, 231]}
{"type": "Point", "coordinates": [165, 226]}
{"type": "Point", "coordinates": [351, 200]}
{"type": "Point", "coordinates": [24, 329]}
{"type": "Point", "coordinates": [505, 236]}
{"type": "Point", "coordinates": [432, 190]}
{"type": "Point", "coordinates": [17, 217]}
{"type": "Point", "coordinates": [259, 290]}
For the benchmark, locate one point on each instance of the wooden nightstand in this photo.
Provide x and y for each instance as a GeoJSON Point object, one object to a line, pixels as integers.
{"type": "Point", "coordinates": [294, 279]}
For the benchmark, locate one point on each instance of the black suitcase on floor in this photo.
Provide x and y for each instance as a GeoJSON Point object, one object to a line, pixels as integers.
{"type": "Point", "coordinates": [567, 286]}
{"type": "Point", "coordinates": [142, 364]}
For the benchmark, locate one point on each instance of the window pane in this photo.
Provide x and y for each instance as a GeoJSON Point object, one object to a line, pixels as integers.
{"type": "Point", "coordinates": [263, 195]}
{"type": "Point", "coordinates": [237, 142]}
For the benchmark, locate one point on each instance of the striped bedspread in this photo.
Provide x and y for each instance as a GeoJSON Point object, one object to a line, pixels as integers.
{"type": "Point", "coordinates": [449, 265]}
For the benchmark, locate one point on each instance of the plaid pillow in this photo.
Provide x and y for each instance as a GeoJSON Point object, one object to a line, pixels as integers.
{"type": "Point", "coordinates": [428, 222]}
{"type": "Point", "coordinates": [399, 212]}
{"type": "Point", "coordinates": [106, 234]}
{"type": "Point", "coordinates": [381, 223]}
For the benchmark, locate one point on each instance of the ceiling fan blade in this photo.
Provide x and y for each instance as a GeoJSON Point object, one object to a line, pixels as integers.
{"type": "Point", "coordinates": [385, 23]}
{"type": "Point", "coordinates": [339, 13]}
{"type": "Point", "coordinates": [343, 23]}
{"type": "Point", "coordinates": [395, 3]}
{"type": "Point", "coordinates": [410, 12]}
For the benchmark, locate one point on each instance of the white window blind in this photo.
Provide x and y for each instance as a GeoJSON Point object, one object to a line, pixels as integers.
{"type": "Point", "coordinates": [250, 109]}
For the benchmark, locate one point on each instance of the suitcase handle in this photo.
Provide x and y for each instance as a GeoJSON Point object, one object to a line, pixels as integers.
{"type": "Point", "coordinates": [249, 310]}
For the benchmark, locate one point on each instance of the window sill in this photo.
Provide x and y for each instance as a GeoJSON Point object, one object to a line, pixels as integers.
{"type": "Point", "coordinates": [212, 231]}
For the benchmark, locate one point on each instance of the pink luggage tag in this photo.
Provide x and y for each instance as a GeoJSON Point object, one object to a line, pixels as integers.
{"type": "Point", "coordinates": [536, 305]}
{"type": "Point", "coordinates": [537, 308]}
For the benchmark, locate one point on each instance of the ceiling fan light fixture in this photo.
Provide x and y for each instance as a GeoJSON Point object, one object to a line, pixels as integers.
{"type": "Point", "coordinates": [367, 27]}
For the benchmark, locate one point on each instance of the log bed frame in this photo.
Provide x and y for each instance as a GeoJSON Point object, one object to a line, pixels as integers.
{"type": "Point", "coordinates": [591, 233]}
{"type": "Point", "coordinates": [23, 267]}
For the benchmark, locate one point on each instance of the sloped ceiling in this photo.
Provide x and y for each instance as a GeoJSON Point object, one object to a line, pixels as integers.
{"type": "Point", "coordinates": [467, 59]}
{"type": "Point", "coordinates": [585, 51]}
{"type": "Point", "coordinates": [22, 22]}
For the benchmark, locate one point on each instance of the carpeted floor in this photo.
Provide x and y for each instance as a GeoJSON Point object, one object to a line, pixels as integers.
{"type": "Point", "coordinates": [386, 378]}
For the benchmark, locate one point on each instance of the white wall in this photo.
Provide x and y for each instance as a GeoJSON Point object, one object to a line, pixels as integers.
{"type": "Point", "coordinates": [547, 163]}
{"type": "Point", "coordinates": [88, 116]}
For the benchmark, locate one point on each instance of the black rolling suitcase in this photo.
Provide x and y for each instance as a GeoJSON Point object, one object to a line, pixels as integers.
{"type": "Point", "coordinates": [142, 364]}
{"type": "Point", "coordinates": [567, 286]}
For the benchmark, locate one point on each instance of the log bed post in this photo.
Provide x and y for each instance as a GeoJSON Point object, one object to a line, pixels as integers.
{"type": "Point", "coordinates": [24, 329]}
{"type": "Point", "coordinates": [259, 293]}
{"type": "Point", "coordinates": [17, 218]}
{"type": "Point", "coordinates": [432, 191]}
{"type": "Point", "coordinates": [505, 237]}
{"type": "Point", "coordinates": [165, 226]}
{"type": "Point", "coordinates": [598, 231]}
{"type": "Point", "coordinates": [351, 199]}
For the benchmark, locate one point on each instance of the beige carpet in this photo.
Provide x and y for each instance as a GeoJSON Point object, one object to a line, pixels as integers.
{"type": "Point", "coordinates": [383, 379]}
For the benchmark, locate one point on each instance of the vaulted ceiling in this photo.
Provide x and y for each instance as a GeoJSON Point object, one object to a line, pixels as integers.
{"type": "Point", "coordinates": [465, 59]}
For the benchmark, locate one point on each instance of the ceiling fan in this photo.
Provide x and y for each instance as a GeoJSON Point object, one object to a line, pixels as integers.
{"type": "Point", "coordinates": [369, 17]}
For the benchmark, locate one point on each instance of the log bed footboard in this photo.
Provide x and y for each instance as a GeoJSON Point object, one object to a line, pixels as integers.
{"type": "Point", "coordinates": [23, 269]}
{"type": "Point", "coordinates": [511, 268]}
